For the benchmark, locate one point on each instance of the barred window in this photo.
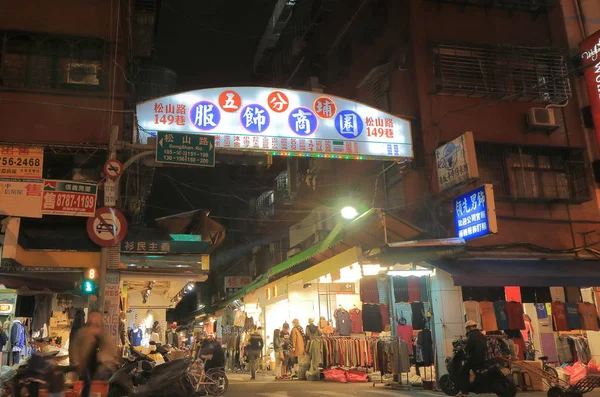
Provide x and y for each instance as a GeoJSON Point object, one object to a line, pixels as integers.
{"type": "Point", "coordinates": [522, 5]}
{"type": "Point", "coordinates": [501, 72]}
{"type": "Point", "coordinates": [373, 89]}
{"type": "Point", "coordinates": [50, 62]}
{"type": "Point", "coordinates": [534, 173]}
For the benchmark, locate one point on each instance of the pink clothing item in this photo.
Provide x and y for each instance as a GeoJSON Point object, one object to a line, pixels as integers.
{"type": "Point", "coordinates": [356, 323]}
{"type": "Point", "coordinates": [405, 333]}
{"type": "Point", "coordinates": [513, 294]}
{"type": "Point", "coordinates": [385, 315]}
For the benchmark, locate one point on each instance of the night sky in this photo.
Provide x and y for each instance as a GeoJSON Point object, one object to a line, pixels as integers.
{"type": "Point", "coordinates": [211, 43]}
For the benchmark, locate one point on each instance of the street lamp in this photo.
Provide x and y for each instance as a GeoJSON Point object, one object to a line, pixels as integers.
{"type": "Point", "coordinates": [349, 212]}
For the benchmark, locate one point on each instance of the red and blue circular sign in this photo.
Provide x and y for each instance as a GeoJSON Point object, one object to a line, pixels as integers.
{"type": "Point", "coordinates": [255, 118]}
{"type": "Point", "coordinates": [205, 115]}
{"type": "Point", "coordinates": [349, 124]}
{"type": "Point", "coordinates": [303, 121]}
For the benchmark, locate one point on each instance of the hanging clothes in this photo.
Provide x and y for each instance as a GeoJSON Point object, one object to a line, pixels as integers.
{"type": "Point", "coordinates": [356, 321]}
{"type": "Point", "coordinates": [559, 316]}
{"type": "Point", "coordinates": [414, 288]}
{"type": "Point", "coordinates": [557, 294]}
{"type": "Point", "coordinates": [400, 289]}
{"type": "Point", "coordinates": [371, 318]}
{"type": "Point", "coordinates": [239, 319]}
{"type": "Point", "coordinates": [385, 316]}
{"type": "Point", "coordinates": [425, 346]}
{"type": "Point", "coordinates": [573, 294]}
{"type": "Point", "coordinates": [342, 322]}
{"type": "Point", "coordinates": [540, 309]}
{"type": "Point", "coordinates": [573, 317]}
{"type": "Point", "coordinates": [589, 316]}
{"type": "Point", "coordinates": [405, 333]}
{"type": "Point", "coordinates": [424, 289]}
{"type": "Point", "coordinates": [488, 316]}
{"type": "Point", "coordinates": [368, 290]}
{"type": "Point", "coordinates": [501, 317]}
{"type": "Point", "coordinates": [472, 312]}
{"type": "Point", "coordinates": [514, 311]}
{"type": "Point", "coordinates": [418, 315]}
{"type": "Point", "coordinates": [42, 311]}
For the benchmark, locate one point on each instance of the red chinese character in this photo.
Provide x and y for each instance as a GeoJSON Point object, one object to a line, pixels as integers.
{"type": "Point", "coordinates": [302, 145]}
{"type": "Point", "coordinates": [217, 140]}
{"type": "Point", "coordinates": [284, 144]}
{"type": "Point", "coordinates": [319, 146]}
{"type": "Point", "coordinates": [180, 109]}
{"type": "Point", "coordinates": [328, 146]}
{"type": "Point", "coordinates": [170, 108]}
{"type": "Point", "coordinates": [355, 147]}
{"type": "Point", "coordinates": [23, 151]}
{"type": "Point", "coordinates": [293, 144]}
{"type": "Point", "coordinates": [158, 108]}
{"type": "Point", "coordinates": [348, 147]}
{"type": "Point", "coordinates": [274, 143]}
{"type": "Point", "coordinates": [311, 145]}
{"type": "Point", "coordinates": [278, 101]}
{"type": "Point", "coordinates": [255, 142]}
{"type": "Point", "coordinates": [246, 141]}
{"type": "Point", "coordinates": [227, 141]}
{"type": "Point", "coordinates": [370, 121]}
{"type": "Point", "coordinates": [325, 107]}
{"type": "Point", "coordinates": [265, 143]}
{"type": "Point", "coordinates": [389, 123]}
{"type": "Point", "coordinates": [379, 122]}
{"type": "Point", "coordinates": [389, 133]}
{"type": "Point", "coordinates": [180, 120]}
{"type": "Point", "coordinates": [7, 149]}
{"type": "Point", "coordinates": [230, 101]}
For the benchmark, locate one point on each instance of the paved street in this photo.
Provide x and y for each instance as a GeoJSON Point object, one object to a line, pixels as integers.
{"type": "Point", "coordinates": [267, 387]}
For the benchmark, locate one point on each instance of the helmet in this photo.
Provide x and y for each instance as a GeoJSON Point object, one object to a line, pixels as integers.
{"type": "Point", "coordinates": [470, 323]}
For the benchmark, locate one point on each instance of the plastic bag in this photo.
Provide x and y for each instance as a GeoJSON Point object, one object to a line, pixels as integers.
{"type": "Point", "coordinates": [356, 376]}
{"type": "Point", "coordinates": [576, 372]}
{"type": "Point", "coordinates": [335, 375]}
{"type": "Point", "coordinates": [593, 368]}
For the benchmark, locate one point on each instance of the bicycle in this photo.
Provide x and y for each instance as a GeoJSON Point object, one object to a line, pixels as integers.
{"type": "Point", "coordinates": [214, 380]}
{"type": "Point", "coordinates": [551, 377]}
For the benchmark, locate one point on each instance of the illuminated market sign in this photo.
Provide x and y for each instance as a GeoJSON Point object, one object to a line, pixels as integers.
{"type": "Point", "coordinates": [281, 122]}
{"type": "Point", "coordinates": [590, 56]}
{"type": "Point", "coordinates": [475, 213]}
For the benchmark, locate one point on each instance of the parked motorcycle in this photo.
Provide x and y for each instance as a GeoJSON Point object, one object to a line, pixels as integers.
{"type": "Point", "coordinates": [491, 379]}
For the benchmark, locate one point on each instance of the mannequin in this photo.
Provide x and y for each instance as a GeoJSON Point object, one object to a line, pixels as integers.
{"type": "Point", "coordinates": [172, 337]}
{"type": "Point", "coordinates": [137, 335]}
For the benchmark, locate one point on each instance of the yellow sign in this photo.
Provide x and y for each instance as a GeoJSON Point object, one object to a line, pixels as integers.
{"type": "Point", "coordinates": [21, 162]}
{"type": "Point", "coordinates": [6, 308]}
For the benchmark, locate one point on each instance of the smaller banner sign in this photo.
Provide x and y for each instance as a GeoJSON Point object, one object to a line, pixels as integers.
{"type": "Point", "coordinates": [232, 284]}
{"type": "Point", "coordinates": [69, 198]}
{"type": "Point", "coordinates": [21, 162]}
{"type": "Point", "coordinates": [456, 162]}
{"type": "Point", "coordinates": [475, 213]}
{"type": "Point", "coordinates": [590, 61]}
{"type": "Point", "coordinates": [21, 198]}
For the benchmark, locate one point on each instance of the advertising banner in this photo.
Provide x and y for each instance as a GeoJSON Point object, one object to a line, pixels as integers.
{"type": "Point", "coordinates": [69, 198]}
{"type": "Point", "coordinates": [232, 284]}
{"type": "Point", "coordinates": [475, 213]}
{"type": "Point", "coordinates": [281, 122]}
{"type": "Point", "coordinates": [590, 57]}
{"type": "Point", "coordinates": [456, 162]}
{"type": "Point", "coordinates": [21, 162]}
{"type": "Point", "coordinates": [21, 198]}
{"type": "Point", "coordinates": [111, 306]}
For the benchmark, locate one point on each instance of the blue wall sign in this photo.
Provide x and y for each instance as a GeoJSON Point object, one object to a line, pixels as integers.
{"type": "Point", "coordinates": [303, 121]}
{"type": "Point", "coordinates": [205, 115]}
{"type": "Point", "coordinates": [475, 213]}
{"type": "Point", "coordinates": [348, 124]}
{"type": "Point", "coordinates": [255, 118]}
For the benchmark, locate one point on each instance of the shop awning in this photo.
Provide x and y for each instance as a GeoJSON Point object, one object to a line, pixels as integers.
{"type": "Point", "coordinates": [40, 281]}
{"type": "Point", "coordinates": [416, 251]}
{"type": "Point", "coordinates": [333, 264]}
{"type": "Point", "coordinates": [521, 273]}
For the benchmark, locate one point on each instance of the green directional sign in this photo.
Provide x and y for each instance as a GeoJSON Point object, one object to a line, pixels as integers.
{"type": "Point", "coordinates": [185, 149]}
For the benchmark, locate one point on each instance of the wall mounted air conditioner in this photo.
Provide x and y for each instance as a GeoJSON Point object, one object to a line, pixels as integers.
{"type": "Point", "coordinates": [541, 119]}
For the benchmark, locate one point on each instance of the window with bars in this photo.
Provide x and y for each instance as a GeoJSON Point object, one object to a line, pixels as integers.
{"type": "Point", "coordinates": [373, 89]}
{"type": "Point", "coordinates": [501, 72]}
{"type": "Point", "coordinates": [522, 5]}
{"type": "Point", "coordinates": [265, 205]}
{"type": "Point", "coordinates": [50, 62]}
{"type": "Point", "coordinates": [534, 173]}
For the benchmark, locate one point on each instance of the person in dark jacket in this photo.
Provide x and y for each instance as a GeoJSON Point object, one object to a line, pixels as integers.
{"type": "Point", "coordinates": [254, 350]}
{"type": "Point", "coordinates": [475, 351]}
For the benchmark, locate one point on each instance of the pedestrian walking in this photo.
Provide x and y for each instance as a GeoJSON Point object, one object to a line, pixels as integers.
{"type": "Point", "coordinates": [254, 351]}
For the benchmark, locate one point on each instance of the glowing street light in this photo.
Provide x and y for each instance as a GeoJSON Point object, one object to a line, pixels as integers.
{"type": "Point", "coordinates": [349, 212]}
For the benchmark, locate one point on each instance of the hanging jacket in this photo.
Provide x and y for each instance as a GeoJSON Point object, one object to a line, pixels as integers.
{"type": "Point", "coordinates": [17, 335]}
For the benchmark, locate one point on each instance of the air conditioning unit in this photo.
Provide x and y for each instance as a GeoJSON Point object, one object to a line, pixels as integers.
{"type": "Point", "coordinates": [81, 73]}
{"type": "Point", "coordinates": [293, 252]}
{"type": "Point", "coordinates": [541, 119]}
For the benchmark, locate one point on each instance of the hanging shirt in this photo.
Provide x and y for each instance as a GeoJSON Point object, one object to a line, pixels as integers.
{"type": "Point", "coordinates": [405, 333]}
{"type": "Point", "coordinates": [400, 289]}
{"type": "Point", "coordinates": [557, 294]}
{"type": "Point", "coordinates": [519, 348]}
{"type": "Point", "coordinates": [589, 316]}
{"type": "Point", "coordinates": [424, 289]}
{"type": "Point", "coordinates": [385, 315]}
{"type": "Point", "coordinates": [573, 294]}
{"type": "Point", "coordinates": [371, 317]}
{"type": "Point", "coordinates": [342, 322]}
{"type": "Point", "coordinates": [418, 315]}
{"type": "Point", "coordinates": [514, 311]}
{"type": "Point", "coordinates": [472, 312]}
{"type": "Point", "coordinates": [368, 290]}
{"type": "Point", "coordinates": [414, 288]}
{"type": "Point", "coordinates": [240, 318]}
{"type": "Point", "coordinates": [488, 316]}
{"type": "Point", "coordinates": [136, 337]}
{"type": "Point", "coordinates": [573, 317]}
{"type": "Point", "coordinates": [540, 308]}
{"type": "Point", "coordinates": [356, 322]}
{"type": "Point", "coordinates": [501, 317]}
{"type": "Point", "coordinates": [559, 316]}
{"type": "Point", "coordinates": [512, 294]}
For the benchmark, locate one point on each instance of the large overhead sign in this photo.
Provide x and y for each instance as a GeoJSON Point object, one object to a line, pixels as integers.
{"type": "Point", "coordinates": [281, 122]}
{"type": "Point", "coordinates": [590, 56]}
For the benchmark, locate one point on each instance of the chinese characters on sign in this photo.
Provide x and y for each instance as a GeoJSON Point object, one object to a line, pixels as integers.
{"type": "Point", "coordinates": [456, 162]}
{"type": "Point", "coordinates": [69, 198]}
{"type": "Point", "coordinates": [281, 122]}
{"type": "Point", "coordinates": [146, 247]}
{"type": "Point", "coordinates": [21, 162]}
{"type": "Point", "coordinates": [185, 149]}
{"type": "Point", "coordinates": [475, 213]}
{"type": "Point", "coordinates": [590, 56]}
{"type": "Point", "coordinates": [233, 284]}
{"type": "Point", "coordinates": [21, 198]}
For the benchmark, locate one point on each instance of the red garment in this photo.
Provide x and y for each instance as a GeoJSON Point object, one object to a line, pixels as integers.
{"type": "Point", "coordinates": [356, 323]}
{"type": "Point", "coordinates": [368, 290]}
{"type": "Point", "coordinates": [385, 315]}
{"type": "Point", "coordinates": [405, 333]}
{"type": "Point", "coordinates": [559, 315]}
{"type": "Point", "coordinates": [519, 348]}
{"type": "Point", "coordinates": [513, 294]}
{"type": "Point", "coordinates": [414, 289]}
{"type": "Point", "coordinates": [514, 312]}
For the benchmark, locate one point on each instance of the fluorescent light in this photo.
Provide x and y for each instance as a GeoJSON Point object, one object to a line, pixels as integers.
{"type": "Point", "coordinates": [349, 212]}
{"type": "Point", "coordinates": [407, 273]}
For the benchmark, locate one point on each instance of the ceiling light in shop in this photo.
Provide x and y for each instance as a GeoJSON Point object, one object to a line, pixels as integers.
{"type": "Point", "coordinates": [373, 270]}
{"type": "Point", "coordinates": [350, 274]}
{"type": "Point", "coordinates": [407, 273]}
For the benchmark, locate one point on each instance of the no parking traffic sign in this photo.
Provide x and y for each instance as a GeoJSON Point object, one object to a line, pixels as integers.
{"type": "Point", "coordinates": [113, 169]}
{"type": "Point", "coordinates": [108, 227]}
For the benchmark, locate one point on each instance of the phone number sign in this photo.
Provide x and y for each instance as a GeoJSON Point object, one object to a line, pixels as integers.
{"type": "Point", "coordinates": [21, 162]}
{"type": "Point", "coordinates": [69, 198]}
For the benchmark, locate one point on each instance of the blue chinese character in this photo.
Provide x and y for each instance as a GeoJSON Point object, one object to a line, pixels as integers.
{"type": "Point", "coordinates": [255, 118]}
{"type": "Point", "coordinates": [303, 121]}
{"type": "Point", "coordinates": [205, 116]}
{"type": "Point", "coordinates": [348, 124]}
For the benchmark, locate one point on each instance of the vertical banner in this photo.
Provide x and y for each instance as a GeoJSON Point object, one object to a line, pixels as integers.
{"type": "Point", "coordinates": [590, 57]}
{"type": "Point", "coordinates": [111, 306]}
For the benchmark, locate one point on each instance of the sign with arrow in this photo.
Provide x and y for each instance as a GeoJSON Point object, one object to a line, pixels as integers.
{"type": "Point", "coordinates": [185, 149]}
